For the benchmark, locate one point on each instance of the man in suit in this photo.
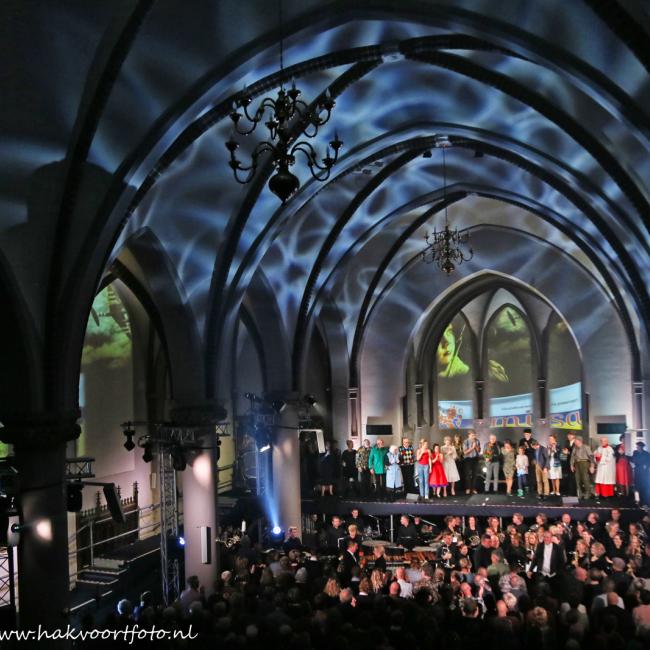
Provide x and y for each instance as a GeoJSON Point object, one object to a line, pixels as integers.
{"type": "Point", "coordinates": [540, 457]}
{"type": "Point", "coordinates": [549, 559]}
{"type": "Point", "coordinates": [568, 478]}
{"type": "Point", "coordinates": [349, 560]}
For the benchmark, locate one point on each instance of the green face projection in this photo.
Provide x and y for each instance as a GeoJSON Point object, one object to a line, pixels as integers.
{"type": "Point", "coordinates": [108, 334]}
{"type": "Point", "coordinates": [449, 362]}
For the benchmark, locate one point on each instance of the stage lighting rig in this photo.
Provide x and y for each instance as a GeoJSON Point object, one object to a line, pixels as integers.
{"type": "Point", "coordinates": [310, 400]}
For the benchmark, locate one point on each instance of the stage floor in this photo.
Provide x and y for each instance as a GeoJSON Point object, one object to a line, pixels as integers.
{"type": "Point", "coordinates": [482, 505]}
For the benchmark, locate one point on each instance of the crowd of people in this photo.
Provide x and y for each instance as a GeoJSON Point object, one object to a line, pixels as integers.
{"type": "Point", "coordinates": [534, 585]}
{"type": "Point", "coordinates": [456, 465]}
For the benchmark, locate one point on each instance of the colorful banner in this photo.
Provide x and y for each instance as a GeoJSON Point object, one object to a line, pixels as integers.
{"type": "Point", "coordinates": [455, 414]}
{"type": "Point", "coordinates": [511, 411]}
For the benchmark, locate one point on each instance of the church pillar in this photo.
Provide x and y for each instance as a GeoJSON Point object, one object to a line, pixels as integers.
{"type": "Point", "coordinates": [200, 482]}
{"type": "Point", "coordinates": [43, 572]}
{"type": "Point", "coordinates": [419, 405]}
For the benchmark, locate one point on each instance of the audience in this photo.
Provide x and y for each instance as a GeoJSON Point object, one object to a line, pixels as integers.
{"type": "Point", "coordinates": [298, 601]}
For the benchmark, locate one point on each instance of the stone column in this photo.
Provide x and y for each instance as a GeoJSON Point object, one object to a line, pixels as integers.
{"type": "Point", "coordinates": [353, 406]}
{"type": "Point", "coordinates": [43, 572]}
{"type": "Point", "coordinates": [285, 508]}
{"type": "Point", "coordinates": [419, 405]}
{"type": "Point", "coordinates": [200, 497]}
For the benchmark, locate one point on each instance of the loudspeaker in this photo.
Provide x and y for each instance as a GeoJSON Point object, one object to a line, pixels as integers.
{"type": "Point", "coordinates": [412, 497]}
{"type": "Point", "coordinates": [379, 430]}
{"type": "Point", "coordinates": [114, 504]}
{"type": "Point", "coordinates": [206, 544]}
{"type": "Point", "coordinates": [570, 501]}
{"type": "Point", "coordinates": [13, 530]}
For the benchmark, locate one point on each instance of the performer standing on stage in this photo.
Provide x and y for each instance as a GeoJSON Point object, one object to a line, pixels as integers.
{"type": "Point", "coordinates": [568, 477]}
{"type": "Point", "coordinates": [492, 455]}
{"type": "Point", "coordinates": [437, 477]}
{"type": "Point", "coordinates": [449, 463]}
{"type": "Point", "coordinates": [394, 480]}
{"type": "Point", "coordinates": [508, 454]}
{"type": "Point", "coordinates": [407, 463]}
{"type": "Point", "coordinates": [348, 468]}
{"type": "Point", "coordinates": [521, 462]}
{"type": "Point", "coordinates": [363, 469]}
{"type": "Point", "coordinates": [377, 465]}
{"type": "Point", "coordinates": [554, 464]}
{"type": "Point", "coordinates": [458, 444]}
{"type": "Point", "coordinates": [623, 469]}
{"type": "Point", "coordinates": [581, 464]}
{"type": "Point", "coordinates": [605, 469]}
{"type": "Point", "coordinates": [423, 462]}
{"type": "Point", "coordinates": [541, 469]}
{"type": "Point", "coordinates": [471, 451]}
{"type": "Point", "coordinates": [641, 460]}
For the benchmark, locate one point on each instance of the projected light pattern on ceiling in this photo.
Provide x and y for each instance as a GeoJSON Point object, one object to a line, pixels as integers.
{"type": "Point", "coordinates": [561, 122]}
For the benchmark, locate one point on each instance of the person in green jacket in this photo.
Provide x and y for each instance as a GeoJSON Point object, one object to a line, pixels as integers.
{"type": "Point", "coordinates": [377, 467]}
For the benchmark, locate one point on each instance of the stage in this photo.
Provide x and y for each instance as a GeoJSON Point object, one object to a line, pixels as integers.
{"type": "Point", "coordinates": [481, 505]}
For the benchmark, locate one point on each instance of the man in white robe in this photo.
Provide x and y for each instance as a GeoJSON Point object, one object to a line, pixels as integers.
{"type": "Point", "coordinates": [605, 469]}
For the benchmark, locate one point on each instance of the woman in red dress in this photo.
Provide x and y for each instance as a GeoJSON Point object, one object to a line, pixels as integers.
{"type": "Point", "coordinates": [437, 477]}
{"type": "Point", "coordinates": [623, 469]}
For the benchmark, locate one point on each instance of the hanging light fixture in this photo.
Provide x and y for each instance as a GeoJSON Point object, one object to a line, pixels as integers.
{"type": "Point", "coordinates": [286, 117]}
{"type": "Point", "coordinates": [445, 247]}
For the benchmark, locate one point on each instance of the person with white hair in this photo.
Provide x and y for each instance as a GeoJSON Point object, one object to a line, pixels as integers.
{"type": "Point", "coordinates": [394, 480]}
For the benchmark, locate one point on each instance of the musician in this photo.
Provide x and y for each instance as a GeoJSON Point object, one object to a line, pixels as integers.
{"type": "Point", "coordinates": [549, 558]}
{"type": "Point", "coordinates": [292, 542]}
{"type": "Point", "coordinates": [568, 532]}
{"type": "Point", "coordinates": [407, 534]}
{"type": "Point", "coordinates": [483, 553]}
{"type": "Point", "coordinates": [448, 551]}
{"type": "Point", "coordinates": [471, 454]}
{"type": "Point", "coordinates": [379, 558]}
{"type": "Point", "coordinates": [335, 533]}
{"type": "Point", "coordinates": [349, 560]}
{"type": "Point", "coordinates": [354, 535]}
{"type": "Point", "coordinates": [518, 523]}
{"type": "Point", "coordinates": [497, 567]}
{"type": "Point", "coordinates": [472, 531]}
{"type": "Point", "coordinates": [356, 519]}
{"type": "Point", "coordinates": [515, 553]}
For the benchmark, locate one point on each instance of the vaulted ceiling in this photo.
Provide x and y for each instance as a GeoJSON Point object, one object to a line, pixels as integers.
{"type": "Point", "coordinates": [114, 119]}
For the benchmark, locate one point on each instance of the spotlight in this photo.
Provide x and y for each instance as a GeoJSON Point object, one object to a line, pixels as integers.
{"type": "Point", "coordinates": [278, 405]}
{"type": "Point", "coordinates": [310, 399]}
{"type": "Point", "coordinates": [265, 448]}
{"type": "Point", "coordinates": [181, 541]}
{"type": "Point", "coordinates": [179, 462]}
{"type": "Point", "coordinates": [147, 451]}
{"type": "Point", "coordinates": [276, 536]}
{"type": "Point", "coordinates": [252, 397]}
{"type": "Point", "coordinates": [74, 496]}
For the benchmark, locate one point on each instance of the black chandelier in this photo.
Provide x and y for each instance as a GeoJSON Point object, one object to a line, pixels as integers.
{"type": "Point", "coordinates": [445, 247]}
{"type": "Point", "coordinates": [286, 117]}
